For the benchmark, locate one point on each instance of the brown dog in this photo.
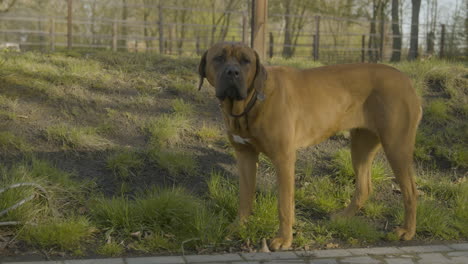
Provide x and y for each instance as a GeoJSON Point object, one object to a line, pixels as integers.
{"type": "Point", "coordinates": [276, 110]}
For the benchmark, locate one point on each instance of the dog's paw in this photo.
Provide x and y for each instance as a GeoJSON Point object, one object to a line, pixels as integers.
{"type": "Point", "coordinates": [280, 243]}
{"type": "Point", "coordinates": [404, 233]}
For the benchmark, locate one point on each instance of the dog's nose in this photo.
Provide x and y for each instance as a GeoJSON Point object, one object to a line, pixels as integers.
{"type": "Point", "coordinates": [232, 71]}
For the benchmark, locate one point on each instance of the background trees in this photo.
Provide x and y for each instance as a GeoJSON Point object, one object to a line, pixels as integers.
{"type": "Point", "coordinates": [389, 29]}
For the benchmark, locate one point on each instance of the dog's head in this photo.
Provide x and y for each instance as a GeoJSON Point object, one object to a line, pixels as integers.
{"type": "Point", "coordinates": [233, 69]}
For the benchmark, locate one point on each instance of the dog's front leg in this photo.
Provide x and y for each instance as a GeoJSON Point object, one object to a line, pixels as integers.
{"type": "Point", "coordinates": [247, 165]}
{"type": "Point", "coordinates": [284, 164]}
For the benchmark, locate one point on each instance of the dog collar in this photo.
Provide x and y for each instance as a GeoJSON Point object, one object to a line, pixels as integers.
{"type": "Point", "coordinates": [250, 104]}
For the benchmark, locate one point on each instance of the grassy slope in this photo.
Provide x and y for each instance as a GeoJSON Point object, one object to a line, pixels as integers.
{"type": "Point", "coordinates": [99, 130]}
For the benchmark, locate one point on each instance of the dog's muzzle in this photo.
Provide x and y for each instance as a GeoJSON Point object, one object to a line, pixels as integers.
{"type": "Point", "coordinates": [231, 84]}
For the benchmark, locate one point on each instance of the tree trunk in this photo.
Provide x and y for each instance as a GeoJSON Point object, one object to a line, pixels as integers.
{"type": "Point", "coordinates": [413, 52]}
{"type": "Point", "coordinates": [93, 21]}
{"type": "Point", "coordinates": [287, 43]}
{"type": "Point", "coordinates": [372, 44]}
{"type": "Point", "coordinates": [123, 30]}
{"type": "Point", "coordinates": [146, 31]}
{"type": "Point", "coordinates": [396, 46]}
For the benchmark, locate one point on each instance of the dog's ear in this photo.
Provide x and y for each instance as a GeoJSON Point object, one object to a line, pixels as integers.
{"type": "Point", "coordinates": [260, 75]}
{"type": "Point", "coordinates": [202, 70]}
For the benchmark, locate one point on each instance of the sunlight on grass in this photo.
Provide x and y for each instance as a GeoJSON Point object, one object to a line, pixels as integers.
{"type": "Point", "coordinates": [84, 138]}
{"type": "Point", "coordinates": [343, 167]}
{"type": "Point", "coordinates": [209, 133]}
{"type": "Point", "coordinates": [322, 195]}
{"type": "Point", "coordinates": [166, 130]}
{"type": "Point", "coordinates": [181, 107]}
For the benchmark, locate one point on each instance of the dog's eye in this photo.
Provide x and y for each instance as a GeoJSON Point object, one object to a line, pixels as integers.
{"type": "Point", "coordinates": [245, 61]}
{"type": "Point", "coordinates": [219, 58]}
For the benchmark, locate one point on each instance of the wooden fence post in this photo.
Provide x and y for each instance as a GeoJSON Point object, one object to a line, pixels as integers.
{"type": "Point", "coordinates": [161, 29]}
{"type": "Point", "coordinates": [52, 35]}
{"type": "Point", "coordinates": [317, 38]}
{"type": "Point", "coordinates": [69, 24]}
{"type": "Point", "coordinates": [114, 35]}
{"type": "Point", "coordinates": [442, 42]}
{"type": "Point", "coordinates": [259, 22]}
{"type": "Point", "coordinates": [363, 48]}
{"type": "Point", "coordinates": [272, 46]}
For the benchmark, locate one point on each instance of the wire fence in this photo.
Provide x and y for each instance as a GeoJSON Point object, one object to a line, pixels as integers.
{"type": "Point", "coordinates": [190, 29]}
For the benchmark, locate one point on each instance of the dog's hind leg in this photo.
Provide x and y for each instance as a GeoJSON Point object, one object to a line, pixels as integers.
{"type": "Point", "coordinates": [364, 145]}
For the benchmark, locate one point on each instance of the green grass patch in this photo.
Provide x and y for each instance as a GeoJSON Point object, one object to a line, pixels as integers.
{"type": "Point", "coordinates": [65, 234]}
{"type": "Point", "coordinates": [64, 196]}
{"type": "Point", "coordinates": [125, 164]}
{"type": "Point", "coordinates": [156, 243]}
{"type": "Point", "coordinates": [175, 161]}
{"type": "Point", "coordinates": [182, 87]}
{"type": "Point", "coordinates": [323, 195]}
{"type": "Point", "coordinates": [263, 223]}
{"type": "Point", "coordinates": [343, 166]}
{"type": "Point", "coordinates": [224, 194]}
{"type": "Point", "coordinates": [208, 133]}
{"type": "Point", "coordinates": [11, 143]}
{"type": "Point", "coordinates": [437, 111]}
{"type": "Point", "coordinates": [180, 107]}
{"type": "Point", "coordinates": [77, 138]}
{"type": "Point", "coordinates": [355, 228]}
{"type": "Point", "coordinates": [167, 130]}
{"type": "Point", "coordinates": [111, 249]}
{"type": "Point", "coordinates": [172, 213]}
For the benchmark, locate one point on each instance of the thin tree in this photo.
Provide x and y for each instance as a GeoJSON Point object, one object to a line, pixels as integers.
{"type": "Point", "coordinates": [396, 45]}
{"type": "Point", "coordinates": [123, 30]}
{"type": "Point", "coordinates": [146, 13]}
{"type": "Point", "coordinates": [294, 21]}
{"type": "Point", "coordinates": [415, 8]}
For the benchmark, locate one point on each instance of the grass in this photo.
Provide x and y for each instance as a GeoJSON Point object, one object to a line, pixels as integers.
{"type": "Point", "coordinates": [166, 130]}
{"type": "Point", "coordinates": [355, 228]}
{"type": "Point", "coordinates": [438, 111]}
{"type": "Point", "coordinates": [209, 133]}
{"type": "Point", "coordinates": [323, 195]}
{"type": "Point", "coordinates": [130, 120]}
{"type": "Point", "coordinates": [181, 107]}
{"type": "Point", "coordinates": [173, 216]}
{"type": "Point", "coordinates": [10, 143]}
{"type": "Point", "coordinates": [77, 138]}
{"type": "Point", "coordinates": [343, 167]}
{"type": "Point", "coordinates": [224, 195]}
{"type": "Point", "coordinates": [65, 234]}
{"type": "Point", "coordinates": [174, 161]}
{"type": "Point", "coordinates": [125, 164]}
{"type": "Point", "coordinates": [111, 249]}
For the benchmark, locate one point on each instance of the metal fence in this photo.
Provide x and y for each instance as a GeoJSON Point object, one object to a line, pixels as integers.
{"type": "Point", "coordinates": [183, 30]}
